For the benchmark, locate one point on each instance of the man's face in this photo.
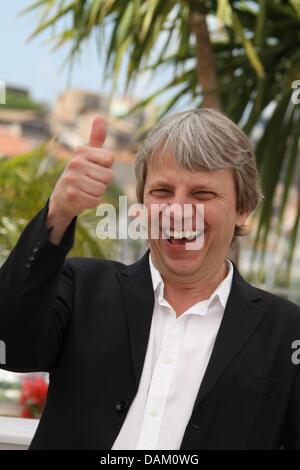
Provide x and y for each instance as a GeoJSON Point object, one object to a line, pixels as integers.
{"type": "Point", "coordinates": [168, 184]}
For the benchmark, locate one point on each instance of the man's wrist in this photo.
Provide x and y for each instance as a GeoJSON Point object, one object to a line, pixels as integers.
{"type": "Point", "coordinates": [57, 223]}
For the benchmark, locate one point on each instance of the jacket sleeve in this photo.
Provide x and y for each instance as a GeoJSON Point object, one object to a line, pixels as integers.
{"type": "Point", "coordinates": [36, 296]}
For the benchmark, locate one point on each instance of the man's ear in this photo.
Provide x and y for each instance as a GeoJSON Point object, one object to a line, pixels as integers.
{"type": "Point", "coordinates": [242, 218]}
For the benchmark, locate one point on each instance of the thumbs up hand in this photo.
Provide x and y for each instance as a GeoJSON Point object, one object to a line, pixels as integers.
{"type": "Point", "coordinates": [82, 183]}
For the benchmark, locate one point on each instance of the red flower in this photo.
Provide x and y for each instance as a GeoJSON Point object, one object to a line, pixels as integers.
{"type": "Point", "coordinates": [33, 396]}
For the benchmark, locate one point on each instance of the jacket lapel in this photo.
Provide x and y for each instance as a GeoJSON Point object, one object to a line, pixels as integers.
{"type": "Point", "coordinates": [240, 320]}
{"type": "Point", "coordinates": [138, 295]}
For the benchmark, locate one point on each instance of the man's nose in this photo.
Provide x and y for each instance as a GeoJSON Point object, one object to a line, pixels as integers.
{"type": "Point", "coordinates": [180, 213]}
{"type": "Point", "coordinates": [180, 198]}
{"type": "Point", "coordinates": [184, 213]}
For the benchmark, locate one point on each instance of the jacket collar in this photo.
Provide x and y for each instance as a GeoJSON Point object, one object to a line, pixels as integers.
{"type": "Point", "coordinates": [221, 292]}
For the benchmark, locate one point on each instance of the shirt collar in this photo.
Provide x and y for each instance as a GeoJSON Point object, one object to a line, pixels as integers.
{"type": "Point", "coordinates": [221, 292]}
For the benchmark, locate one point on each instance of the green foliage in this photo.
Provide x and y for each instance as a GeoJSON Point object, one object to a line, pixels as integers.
{"type": "Point", "coordinates": [20, 101]}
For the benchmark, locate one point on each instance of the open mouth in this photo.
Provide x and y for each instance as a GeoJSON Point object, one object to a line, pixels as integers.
{"type": "Point", "coordinates": [175, 237]}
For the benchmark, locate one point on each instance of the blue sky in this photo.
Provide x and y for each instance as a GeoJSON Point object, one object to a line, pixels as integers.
{"type": "Point", "coordinates": [34, 66]}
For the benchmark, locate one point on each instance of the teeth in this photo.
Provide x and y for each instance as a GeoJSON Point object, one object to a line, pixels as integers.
{"type": "Point", "coordinates": [189, 234]}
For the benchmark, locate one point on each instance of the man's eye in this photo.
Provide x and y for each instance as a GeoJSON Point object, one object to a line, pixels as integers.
{"type": "Point", "coordinates": [160, 190]}
{"type": "Point", "coordinates": [205, 194]}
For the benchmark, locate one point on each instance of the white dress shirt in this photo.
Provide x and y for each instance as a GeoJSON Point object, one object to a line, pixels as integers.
{"type": "Point", "coordinates": [177, 356]}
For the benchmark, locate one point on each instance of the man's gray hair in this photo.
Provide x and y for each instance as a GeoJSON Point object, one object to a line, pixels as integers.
{"type": "Point", "coordinates": [203, 139]}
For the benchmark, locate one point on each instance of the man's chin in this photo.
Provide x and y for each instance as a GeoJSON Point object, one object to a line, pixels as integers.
{"type": "Point", "coordinates": [183, 263]}
{"type": "Point", "coordinates": [181, 251]}
{"type": "Point", "coordinates": [177, 259]}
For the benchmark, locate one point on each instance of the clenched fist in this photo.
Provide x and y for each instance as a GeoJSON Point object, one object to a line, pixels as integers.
{"type": "Point", "coordinates": [82, 183]}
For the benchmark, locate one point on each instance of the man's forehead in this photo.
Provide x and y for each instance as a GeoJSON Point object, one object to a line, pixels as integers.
{"type": "Point", "coordinates": [168, 176]}
{"type": "Point", "coordinates": [161, 162]}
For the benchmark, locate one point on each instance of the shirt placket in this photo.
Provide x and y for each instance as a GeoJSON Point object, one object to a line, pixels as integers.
{"type": "Point", "coordinates": [160, 384]}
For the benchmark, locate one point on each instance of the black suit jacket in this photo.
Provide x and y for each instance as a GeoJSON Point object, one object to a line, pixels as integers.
{"type": "Point", "coordinates": [87, 322]}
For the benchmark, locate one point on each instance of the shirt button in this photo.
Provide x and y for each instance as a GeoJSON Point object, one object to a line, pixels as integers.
{"type": "Point", "coordinates": [121, 405]}
{"type": "Point", "coordinates": [168, 360]}
{"type": "Point", "coordinates": [153, 413]}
